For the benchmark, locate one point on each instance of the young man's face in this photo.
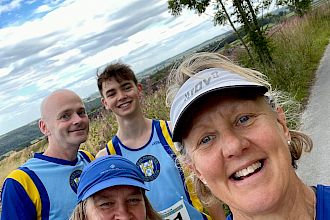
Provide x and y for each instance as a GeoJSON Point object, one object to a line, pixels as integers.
{"type": "Point", "coordinates": [122, 98]}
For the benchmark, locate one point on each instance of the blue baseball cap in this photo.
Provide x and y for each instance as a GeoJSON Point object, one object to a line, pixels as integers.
{"type": "Point", "coordinates": [108, 171]}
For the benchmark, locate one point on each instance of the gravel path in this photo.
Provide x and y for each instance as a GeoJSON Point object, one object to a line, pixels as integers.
{"type": "Point", "coordinates": [314, 167]}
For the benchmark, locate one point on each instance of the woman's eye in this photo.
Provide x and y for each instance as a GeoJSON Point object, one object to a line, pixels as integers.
{"type": "Point", "coordinates": [133, 201]}
{"type": "Point", "coordinates": [245, 120]}
{"type": "Point", "coordinates": [207, 139]}
{"type": "Point", "coordinates": [106, 204]}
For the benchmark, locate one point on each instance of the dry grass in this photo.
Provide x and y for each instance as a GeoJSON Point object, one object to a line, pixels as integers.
{"type": "Point", "coordinates": [17, 158]}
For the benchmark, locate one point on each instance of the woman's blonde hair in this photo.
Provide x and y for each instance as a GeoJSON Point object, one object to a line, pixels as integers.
{"type": "Point", "coordinates": [79, 213]}
{"type": "Point", "coordinates": [201, 61]}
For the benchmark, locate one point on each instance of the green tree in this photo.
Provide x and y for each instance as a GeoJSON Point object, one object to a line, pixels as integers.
{"type": "Point", "coordinates": [299, 7]}
{"type": "Point", "coordinates": [244, 13]}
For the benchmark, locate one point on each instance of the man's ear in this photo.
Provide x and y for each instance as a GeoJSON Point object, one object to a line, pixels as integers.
{"type": "Point", "coordinates": [104, 103]}
{"type": "Point", "coordinates": [140, 89]}
{"type": "Point", "coordinates": [282, 121]}
{"type": "Point", "coordinates": [43, 127]}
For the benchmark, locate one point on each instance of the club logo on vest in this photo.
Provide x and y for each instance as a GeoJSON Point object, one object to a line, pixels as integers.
{"type": "Point", "coordinates": [150, 167]}
{"type": "Point", "coordinates": [74, 180]}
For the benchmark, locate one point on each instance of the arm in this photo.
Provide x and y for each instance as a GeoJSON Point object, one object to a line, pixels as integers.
{"type": "Point", "coordinates": [102, 152]}
{"type": "Point", "coordinates": [16, 204]}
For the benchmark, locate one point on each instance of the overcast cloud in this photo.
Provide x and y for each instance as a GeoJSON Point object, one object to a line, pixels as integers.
{"type": "Point", "coordinates": [52, 44]}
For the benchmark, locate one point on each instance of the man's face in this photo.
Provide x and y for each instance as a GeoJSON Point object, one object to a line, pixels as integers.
{"type": "Point", "coordinates": [65, 121]}
{"type": "Point", "coordinates": [122, 98]}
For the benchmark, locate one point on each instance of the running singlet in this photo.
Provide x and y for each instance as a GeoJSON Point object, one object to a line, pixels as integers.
{"type": "Point", "coordinates": [168, 193]}
{"type": "Point", "coordinates": [43, 188]}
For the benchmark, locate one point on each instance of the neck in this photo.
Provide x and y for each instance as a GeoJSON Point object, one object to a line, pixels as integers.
{"type": "Point", "coordinates": [68, 154]}
{"type": "Point", "coordinates": [298, 203]}
{"type": "Point", "coordinates": [134, 132]}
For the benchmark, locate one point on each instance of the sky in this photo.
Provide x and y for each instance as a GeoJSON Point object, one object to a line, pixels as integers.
{"type": "Point", "coordinates": [51, 44]}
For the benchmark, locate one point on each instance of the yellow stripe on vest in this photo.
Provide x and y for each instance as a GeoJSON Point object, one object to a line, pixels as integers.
{"type": "Point", "coordinates": [27, 183]}
{"type": "Point", "coordinates": [89, 155]}
{"type": "Point", "coordinates": [194, 199]}
{"type": "Point", "coordinates": [111, 149]}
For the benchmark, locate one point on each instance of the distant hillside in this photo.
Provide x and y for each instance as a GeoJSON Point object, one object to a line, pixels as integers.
{"type": "Point", "coordinates": [22, 137]}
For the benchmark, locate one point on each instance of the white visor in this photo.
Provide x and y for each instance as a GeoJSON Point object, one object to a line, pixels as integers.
{"type": "Point", "coordinates": [200, 84]}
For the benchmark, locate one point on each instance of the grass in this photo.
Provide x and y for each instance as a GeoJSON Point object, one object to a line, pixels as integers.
{"type": "Point", "coordinates": [297, 46]}
{"type": "Point", "coordinates": [17, 158]}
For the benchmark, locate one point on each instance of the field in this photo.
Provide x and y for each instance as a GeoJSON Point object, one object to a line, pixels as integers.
{"type": "Point", "coordinates": [297, 47]}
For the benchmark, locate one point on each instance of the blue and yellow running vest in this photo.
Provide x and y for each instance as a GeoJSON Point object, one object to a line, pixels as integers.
{"type": "Point", "coordinates": [157, 160]}
{"type": "Point", "coordinates": [43, 188]}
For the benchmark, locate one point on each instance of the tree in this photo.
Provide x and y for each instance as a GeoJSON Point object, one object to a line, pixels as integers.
{"type": "Point", "coordinates": [244, 12]}
{"type": "Point", "coordinates": [300, 7]}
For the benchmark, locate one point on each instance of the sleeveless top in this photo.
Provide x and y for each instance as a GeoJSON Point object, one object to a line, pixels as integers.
{"type": "Point", "coordinates": [43, 188]}
{"type": "Point", "coordinates": [168, 193]}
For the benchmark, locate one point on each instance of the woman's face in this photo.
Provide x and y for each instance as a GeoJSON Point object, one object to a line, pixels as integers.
{"type": "Point", "coordinates": [239, 148]}
{"type": "Point", "coordinates": [117, 202]}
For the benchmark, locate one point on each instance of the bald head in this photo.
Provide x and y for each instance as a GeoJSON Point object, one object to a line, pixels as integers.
{"type": "Point", "coordinates": [53, 99]}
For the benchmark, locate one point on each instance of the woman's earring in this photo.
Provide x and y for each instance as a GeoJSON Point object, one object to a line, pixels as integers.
{"type": "Point", "coordinates": [204, 181]}
{"type": "Point", "coordinates": [289, 142]}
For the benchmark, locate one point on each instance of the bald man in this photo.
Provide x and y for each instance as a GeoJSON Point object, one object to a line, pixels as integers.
{"type": "Point", "coordinates": [45, 186]}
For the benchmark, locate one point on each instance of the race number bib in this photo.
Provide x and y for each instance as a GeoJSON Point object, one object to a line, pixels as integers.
{"type": "Point", "coordinates": [178, 211]}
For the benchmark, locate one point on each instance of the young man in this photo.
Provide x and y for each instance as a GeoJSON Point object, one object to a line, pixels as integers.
{"type": "Point", "coordinates": [148, 144]}
{"type": "Point", "coordinates": [45, 186]}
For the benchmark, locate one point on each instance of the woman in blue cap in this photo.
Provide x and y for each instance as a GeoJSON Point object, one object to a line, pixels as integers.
{"type": "Point", "coordinates": [233, 136]}
{"type": "Point", "coordinates": [112, 187]}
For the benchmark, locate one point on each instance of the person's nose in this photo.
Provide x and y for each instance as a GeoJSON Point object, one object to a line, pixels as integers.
{"type": "Point", "coordinates": [122, 95]}
{"type": "Point", "coordinates": [76, 118]}
{"type": "Point", "coordinates": [122, 212]}
{"type": "Point", "coordinates": [233, 144]}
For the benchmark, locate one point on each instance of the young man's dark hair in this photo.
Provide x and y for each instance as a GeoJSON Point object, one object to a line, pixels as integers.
{"type": "Point", "coordinates": [119, 71]}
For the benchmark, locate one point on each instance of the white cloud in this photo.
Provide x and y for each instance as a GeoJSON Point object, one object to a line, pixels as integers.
{"type": "Point", "coordinates": [5, 71]}
{"type": "Point", "coordinates": [43, 8]}
{"type": "Point", "coordinates": [11, 6]}
{"type": "Point", "coordinates": [65, 46]}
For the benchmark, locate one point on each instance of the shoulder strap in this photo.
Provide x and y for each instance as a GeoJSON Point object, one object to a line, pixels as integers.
{"type": "Point", "coordinates": [34, 188]}
{"type": "Point", "coordinates": [113, 146]}
{"type": "Point", "coordinates": [164, 134]}
{"type": "Point", "coordinates": [87, 155]}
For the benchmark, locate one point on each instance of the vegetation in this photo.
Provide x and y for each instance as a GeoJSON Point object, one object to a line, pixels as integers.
{"type": "Point", "coordinates": [297, 46]}
{"type": "Point", "coordinates": [245, 13]}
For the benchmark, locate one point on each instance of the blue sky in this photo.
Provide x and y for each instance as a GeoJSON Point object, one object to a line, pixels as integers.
{"type": "Point", "coordinates": [51, 44]}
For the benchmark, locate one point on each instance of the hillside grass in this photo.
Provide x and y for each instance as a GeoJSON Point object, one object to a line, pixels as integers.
{"type": "Point", "coordinates": [298, 44]}
{"type": "Point", "coordinates": [297, 47]}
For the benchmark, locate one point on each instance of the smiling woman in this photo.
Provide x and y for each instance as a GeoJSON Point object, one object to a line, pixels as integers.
{"type": "Point", "coordinates": [228, 116]}
{"type": "Point", "coordinates": [112, 187]}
